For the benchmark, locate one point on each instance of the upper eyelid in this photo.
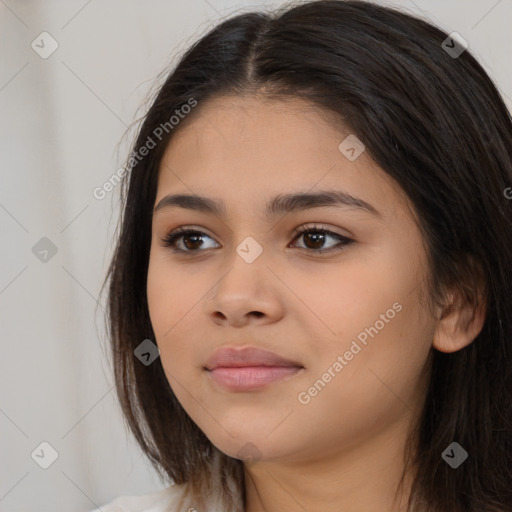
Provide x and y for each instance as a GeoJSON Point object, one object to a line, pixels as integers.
{"type": "Point", "coordinates": [318, 227]}
{"type": "Point", "coordinates": [297, 231]}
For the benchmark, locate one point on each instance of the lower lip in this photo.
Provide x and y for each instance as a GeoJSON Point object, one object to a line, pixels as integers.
{"type": "Point", "coordinates": [248, 378]}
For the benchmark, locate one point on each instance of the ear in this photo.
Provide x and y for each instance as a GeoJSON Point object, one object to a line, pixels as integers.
{"type": "Point", "coordinates": [460, 323]}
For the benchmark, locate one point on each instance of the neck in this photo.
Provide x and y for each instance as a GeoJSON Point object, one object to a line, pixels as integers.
{"type": "Point", "coordinates": [362, 477]}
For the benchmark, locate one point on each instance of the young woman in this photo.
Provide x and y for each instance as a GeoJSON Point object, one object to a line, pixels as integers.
{"type": "Point", "coordinates": [317, 237]}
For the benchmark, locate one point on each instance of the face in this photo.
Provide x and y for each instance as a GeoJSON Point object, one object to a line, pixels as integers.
{"type": "Point", "coordinates": [342, 301]}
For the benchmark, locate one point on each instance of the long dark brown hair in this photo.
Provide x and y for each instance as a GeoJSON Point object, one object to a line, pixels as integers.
{"type": "Point", "coordinates": [436, 123]}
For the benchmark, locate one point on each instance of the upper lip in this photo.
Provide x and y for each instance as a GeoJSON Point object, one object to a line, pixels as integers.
{"type": "Point", "coordinates": [247, 356]}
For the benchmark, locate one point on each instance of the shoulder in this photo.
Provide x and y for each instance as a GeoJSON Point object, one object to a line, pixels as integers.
{"type": "Point", "coordinates": [160, 501]}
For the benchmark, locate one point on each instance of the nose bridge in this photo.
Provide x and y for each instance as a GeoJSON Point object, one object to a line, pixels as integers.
{"type": "Point", "coordinates": [249, 232]}
{"type": "Point", "coordinates": [247, 263]}
{"type": "Point", "coordinates": [245, 285]}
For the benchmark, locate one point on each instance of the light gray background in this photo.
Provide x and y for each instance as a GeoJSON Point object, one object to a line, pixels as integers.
{"type": "Point", "coordinates": [61, 122]}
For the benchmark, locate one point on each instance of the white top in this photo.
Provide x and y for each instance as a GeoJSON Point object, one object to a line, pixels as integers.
{"type": "Point", "coordinates": [168, 499]}
{"type": "Point", "coordinates": [165, 500]}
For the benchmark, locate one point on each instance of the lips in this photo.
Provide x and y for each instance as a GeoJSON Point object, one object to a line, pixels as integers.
{"type": "Point", "coordinates": [230, 357]}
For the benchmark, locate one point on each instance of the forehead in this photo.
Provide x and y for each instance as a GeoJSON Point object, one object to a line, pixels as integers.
{"type": "Point", "coordinates": [252, 147]}
{"type": "Point", "coordinates": [247, 124]}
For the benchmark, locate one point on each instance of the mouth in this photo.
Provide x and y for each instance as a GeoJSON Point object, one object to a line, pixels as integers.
{"type": "Point", "coordinates": [249, 368]}
{"type": "Point", "coordinates": [233, 357]}
{"type": "Point", "coordinates": [249, 378]}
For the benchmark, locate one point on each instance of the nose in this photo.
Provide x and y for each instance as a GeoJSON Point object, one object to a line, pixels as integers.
{"type": "Point", "coordinates": [246, 293]}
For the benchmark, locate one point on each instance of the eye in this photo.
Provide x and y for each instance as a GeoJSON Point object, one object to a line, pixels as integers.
{"type": "Point", "coordinates": [194, 238]}
{"type": "Point", "coordinates": [315, 236]}
{"type": "Point", "coordinates": [189, 240]}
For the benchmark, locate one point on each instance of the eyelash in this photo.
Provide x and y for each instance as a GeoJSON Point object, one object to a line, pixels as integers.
{"type": "Point", "coordinates": [171, 238]}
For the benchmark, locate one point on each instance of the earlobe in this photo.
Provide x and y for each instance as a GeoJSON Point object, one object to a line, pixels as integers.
{"type": "Point", "coordinates": [459, 325]}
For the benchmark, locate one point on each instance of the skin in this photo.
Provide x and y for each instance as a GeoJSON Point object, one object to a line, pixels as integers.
{"type": "Point", "coordinates": [343, 450]}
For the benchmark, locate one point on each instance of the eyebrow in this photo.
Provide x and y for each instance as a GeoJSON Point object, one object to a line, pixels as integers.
{"type": "Point", "coordinates": [280, 204]}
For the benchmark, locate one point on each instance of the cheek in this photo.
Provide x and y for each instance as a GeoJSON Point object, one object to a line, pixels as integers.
{"type": "Point", "coordinates": [167, 300]}
{"type": "Point", "coordinates": [338, 303]}
{"type": "Point", "coordinates": [388, 372]}
{"type": "Point", "coordinates": [371, 313]}
{"type": "Point", "coordinates": [175, 302]}
{"type": "Point", "coordinates": [380, 380]}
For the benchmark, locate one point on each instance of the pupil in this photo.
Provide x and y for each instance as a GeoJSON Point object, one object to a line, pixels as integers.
{"type": "Point", "coordinates": [318, 241]}
{"type": "Point", "coordinates": [197, 239]}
